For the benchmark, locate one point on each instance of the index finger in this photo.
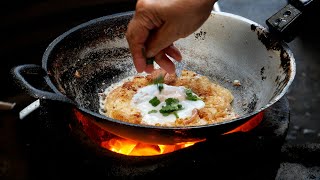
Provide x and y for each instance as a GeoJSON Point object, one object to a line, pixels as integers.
{"type": "Point", "coordinates": [136, 36]}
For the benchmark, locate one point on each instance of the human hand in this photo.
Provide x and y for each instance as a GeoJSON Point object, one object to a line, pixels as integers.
{"type": "Point", "coordinates": [157, 24]}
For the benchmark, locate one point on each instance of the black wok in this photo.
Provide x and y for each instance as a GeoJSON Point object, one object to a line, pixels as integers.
{"type": "Point", "coordinates": [85, 60]}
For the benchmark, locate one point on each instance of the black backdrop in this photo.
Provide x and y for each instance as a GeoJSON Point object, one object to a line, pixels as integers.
{"type": "Point", "coordinates": [27, 28]}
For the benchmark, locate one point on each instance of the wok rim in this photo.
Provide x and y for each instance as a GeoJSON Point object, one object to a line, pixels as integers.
{"type": "Point", "coordinates": [244, 118]}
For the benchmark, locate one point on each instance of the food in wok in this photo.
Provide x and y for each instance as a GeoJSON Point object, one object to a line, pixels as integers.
{"type": "Point", "coordinates": [161, 99]}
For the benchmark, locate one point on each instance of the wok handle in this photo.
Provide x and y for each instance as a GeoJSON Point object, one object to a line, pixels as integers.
{"type": "Point", "coordinates": [20, 72]}
{"type": "Point", "coordinates": [287, 22]}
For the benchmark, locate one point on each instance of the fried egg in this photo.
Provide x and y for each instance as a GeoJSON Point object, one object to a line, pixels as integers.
{"type": "Point", "coordinates": [130, 100]}
{"type": "Point", "coordinates": [141, 101]}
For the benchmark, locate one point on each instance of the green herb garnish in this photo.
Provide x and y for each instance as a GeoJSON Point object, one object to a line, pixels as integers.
{"type": "Point", "coordinates": [176, 114]}
{"type": "Point", "coordinates": [164, 114]}
{"type": "Point", "coordinates": [152, 111]}
{"type": "Point", "coordinates": [154, 101]}
{"type": "Point", "coordinates": [171, 101]}
{"type": "Point", "coordinates": [172, 105]}
{"type": "Point", "coordinates": [158, 80]}
{"type": "Point", "coordinates": [190, 96]}
{"type": "Point", "coordinates": [150, 60]}
{"type": "Point", "coordinates": [160, 87]}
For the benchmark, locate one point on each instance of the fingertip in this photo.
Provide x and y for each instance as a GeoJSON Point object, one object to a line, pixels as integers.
{"type": "Point", "coordinates": [139, 70]}
{"type": "Point", "coordinates": [178, 53]}
{"type": "Point", "coordinates": [173, 52]}
{"type": "Point", "coordinates": [140, 64]}
{"type": "Point", "coordinates": [149, 68]}
{"type": "Point", "coordinates": [165, 63]}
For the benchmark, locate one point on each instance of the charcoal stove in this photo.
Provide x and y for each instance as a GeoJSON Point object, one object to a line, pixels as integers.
{"type": "Point", "coordinates": [58, 151]}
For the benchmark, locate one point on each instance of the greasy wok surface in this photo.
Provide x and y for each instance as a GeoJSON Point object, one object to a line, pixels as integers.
{"type": "Point", "coordinates": [90, 57]}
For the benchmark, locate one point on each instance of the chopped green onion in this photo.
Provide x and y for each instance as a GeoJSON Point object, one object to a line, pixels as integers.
{"type": "Point", "coordinates": [154, 101]}
{"type": "Point", "coordinates": [150, 60]}
{"type": "Point", "coordinates": [176, 114]}
{"type": "Point", "coordinates": [160, 87]}
{"type": "Point", "coordinates": [158, 80]}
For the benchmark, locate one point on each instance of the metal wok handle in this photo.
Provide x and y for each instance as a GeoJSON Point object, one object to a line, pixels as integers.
{"type": "Point", "coordinates": [19, 73]}
{"type": "Point", "coordinates": [287, 22]}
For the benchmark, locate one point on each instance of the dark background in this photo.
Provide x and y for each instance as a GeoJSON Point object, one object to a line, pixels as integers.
{"type": "Point", "coordinates": [27, 28]}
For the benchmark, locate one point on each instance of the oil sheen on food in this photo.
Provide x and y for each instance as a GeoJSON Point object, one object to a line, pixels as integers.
{"type": "Point", "coordinates": [130, 100]}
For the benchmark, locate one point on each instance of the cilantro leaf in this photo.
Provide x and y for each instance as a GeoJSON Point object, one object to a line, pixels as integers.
{"type": "Point", "coordinates": [172, 105]}
{"type": "Point", "coordinates": [170, 101]}
{"type": "Point", "coordinates": [170, 108]}
{"type": "Point", "coordinates": [154, 101]}
{"type": "Point", "coordinates": [152, 111]}
{"type": "Point", "coordinates": [190, 96]}
{"type": "Point", "coordinates": [165, 114]}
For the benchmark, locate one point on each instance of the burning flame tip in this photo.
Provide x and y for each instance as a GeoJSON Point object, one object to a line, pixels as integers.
{"type": "Point", "coordinates": [133, 148]}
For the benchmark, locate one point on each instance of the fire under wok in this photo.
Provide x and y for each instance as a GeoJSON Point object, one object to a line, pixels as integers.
{"type": "Point", "coordinates": [82, 62]}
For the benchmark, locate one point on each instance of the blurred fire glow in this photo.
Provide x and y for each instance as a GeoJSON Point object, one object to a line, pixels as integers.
{"type": "Point", "coordinates": [132, 148]}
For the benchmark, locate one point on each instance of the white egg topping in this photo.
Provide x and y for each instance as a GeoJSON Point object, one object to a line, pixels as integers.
{"type": "Point", "coordinates": [153, 112]}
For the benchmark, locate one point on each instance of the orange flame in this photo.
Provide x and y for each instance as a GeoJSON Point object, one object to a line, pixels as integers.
{"type": "Point", "coordinates": [249, 125]}
{"type": "Point", "coordinates": [133, 148]}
